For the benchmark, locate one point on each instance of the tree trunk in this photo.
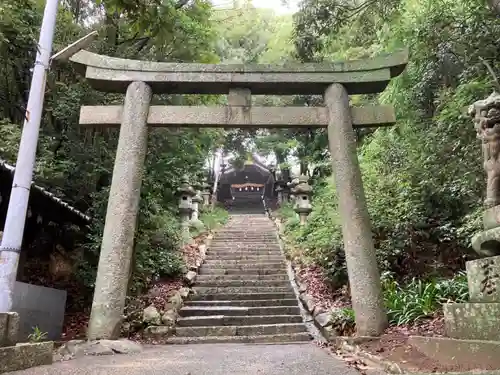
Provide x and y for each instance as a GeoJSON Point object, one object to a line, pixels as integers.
{"type": "Point", "coordinates": [495, 5]}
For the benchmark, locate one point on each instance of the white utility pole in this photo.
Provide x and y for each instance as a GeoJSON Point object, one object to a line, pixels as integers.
{"type": "Point", "coordinates": [10, 248]}
{"type": "Point", "coordinates": [219, 159]}
{"type": "Point", "coordinates": [16, 214]}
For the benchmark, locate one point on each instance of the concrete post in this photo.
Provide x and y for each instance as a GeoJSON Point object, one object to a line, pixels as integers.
{"type": "Point", "coordinates": [121, 216]}
{"type": "Point", "coordinates": [15, 220]}
{"type": "Point", "coordinates": [364, 276]}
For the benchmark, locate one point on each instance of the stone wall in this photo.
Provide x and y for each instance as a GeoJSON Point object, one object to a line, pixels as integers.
{"type": "Point", "coordinates": [40, 307]}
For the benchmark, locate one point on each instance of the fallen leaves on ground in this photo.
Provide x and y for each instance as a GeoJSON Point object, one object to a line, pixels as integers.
{"type": "Point", "coordinates": [318, 288]}
{"type": "Point", "coordinates": [392, 345]}
{"type": "Point", "coordinates": [191, 252]}
{"type": "Point", "coordinates": [75, 325]}
{"type": "Point", "coordinates": [76, 322]}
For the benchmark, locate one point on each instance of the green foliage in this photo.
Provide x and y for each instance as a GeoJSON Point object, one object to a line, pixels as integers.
{"type": "Point", "coordinates": [77, 165]}
{"type": "Point", "coordinates": [410, 302]}
{"type": "Point", "coordinates": [213, 218]}
{"type": "Point", "coordinates": [423, 179]}
{"type": "Point", "coordinates": [420, 299]}
{"type": "Point", "coordinates": [321, 238]}
{"type": "Point", "coordinates": [37, 335]}
{"type": "Point", "coordinates": [343, 321]}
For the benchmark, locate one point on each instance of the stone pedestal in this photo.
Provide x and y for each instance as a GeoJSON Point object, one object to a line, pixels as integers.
{"type": "Point", "coordinates": [480, 318]}
{"type": "Point", "coordinates": [473, 328]}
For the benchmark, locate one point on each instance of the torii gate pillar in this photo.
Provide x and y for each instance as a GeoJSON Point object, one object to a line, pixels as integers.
{"type": "Point", "coordinates": [364, 276]}
{"type": "Point", "coordinates": [121, 216]}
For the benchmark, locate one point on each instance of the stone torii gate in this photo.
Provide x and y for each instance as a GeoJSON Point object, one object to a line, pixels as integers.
{"type": "Point", "coordinates": [141, 79]}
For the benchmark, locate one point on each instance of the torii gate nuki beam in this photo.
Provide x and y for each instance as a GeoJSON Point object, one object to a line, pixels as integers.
{"type": "Point", "coordinates": [141, 79]}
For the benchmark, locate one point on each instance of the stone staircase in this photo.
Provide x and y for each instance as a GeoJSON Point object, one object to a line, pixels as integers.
{"type": "Point", "coordinates": [243, 293]}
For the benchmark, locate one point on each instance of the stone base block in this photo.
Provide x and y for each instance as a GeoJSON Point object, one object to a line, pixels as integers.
{"type": "Point", "coordinates": [9, 329]}
{"type": "Point", "coordinates": [483, 279]}
{"type": "Point", "coordinates": [465, 354]}
{"type": "Point", "coordinates": [23, 356]}
{"type": "Point", "coordinates": [472, 321]}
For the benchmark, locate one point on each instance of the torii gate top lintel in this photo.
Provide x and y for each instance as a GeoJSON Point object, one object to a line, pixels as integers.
{"type": "Point", "coordinates": [365, 76]}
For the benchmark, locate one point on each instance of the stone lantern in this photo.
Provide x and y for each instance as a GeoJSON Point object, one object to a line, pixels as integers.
{"type": "Point", "coordinates": [186, 193]}
{"type": "Point", "coordinates": [196, 201]}
{"type": "Point", "coordinates": [291, 186]}
{"type": "Point", "coordinates": [205, 193]}
{"type": "Point", "coordinates": [279, 188]}
{"type": "Point", "coordinates": [279, 193]}
{"type": "Point", "coordinates": [272, 169]}
{"type": "Point", "coordinates": [302, 193]}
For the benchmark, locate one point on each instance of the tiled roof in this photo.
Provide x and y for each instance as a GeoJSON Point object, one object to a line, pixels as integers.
{"type": "Point", "coordinates": [7, 167]}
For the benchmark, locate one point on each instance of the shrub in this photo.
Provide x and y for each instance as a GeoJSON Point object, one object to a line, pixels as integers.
{"type": "Point", "coordinates": [37, 335]}
{"type": "Point", "coordinates": [420, 299]}
{"type": "Point", "coordinates": [214, 217]}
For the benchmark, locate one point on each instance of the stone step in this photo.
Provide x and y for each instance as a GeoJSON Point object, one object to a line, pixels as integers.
{"type": "Point", "coordinates": [242, 235]}
{"type": "Point", "coordinates": [244, 245]}
{"type": "Point", "coordinates": [263, 234]}
{"type": "Point", "coordinates": [245, 256]}
{"type": "Point", "coordinates": [279, 277]}
{"type": "Point", "coordinates": [260, 339]}
{"type": "Point", "coordinates": [230, 320]}
{"type": "Point", "coordinates": [238, 253]}
{"type": "Point", "coordinates": [242, 296]}
{"type": "Point", "coordinates": [275, 268]}
{"type": "Point", "coordinates": [244, 263]}
{"type": "Point", "coordinates": [242, 283]}
{"type": "Point", "coordinates": [256, 268]}
{"type": "Point", "coordinates": [247, 227]}
{"type": "Point", "coordinates": [243, 241]}
{"type": "Point", "coordinates": [263, 329]}
{"type": "Point", "coordinates": [229, 241]}
{"type": "Point", "coordinates": [206, 270]}
{"type": "Point", "coordinates": [254, 258]}
{"type": "Point", "coordinates": [238, 310]}
{"type": "Point", "coordinates": [246, 303]}
{"type": "Point", "coordinates": [246, 233]}
{"type": "Point", "coordinates": [241, 289]}
{"type": "Point", "coordinates": [244, 250]}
